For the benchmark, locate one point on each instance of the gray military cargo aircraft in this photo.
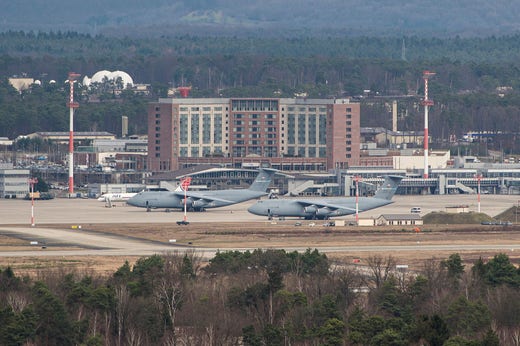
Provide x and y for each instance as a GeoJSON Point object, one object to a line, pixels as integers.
{"type": "Point", "coordinates": [202, 200]}
{"type": "Point", "coordinates": [324, 208]}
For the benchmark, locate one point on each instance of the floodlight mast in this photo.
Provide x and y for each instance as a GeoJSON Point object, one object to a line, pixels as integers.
{"type": "Point", "coordinates": [72, 105]}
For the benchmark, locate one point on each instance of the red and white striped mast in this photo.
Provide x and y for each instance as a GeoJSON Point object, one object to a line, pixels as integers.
{"type": "Point", "coordinates": [426, 103]}
{"type": "Point", "coordinates": [185, 183]}
{"type": "Point", "coordinates": [71, 104]}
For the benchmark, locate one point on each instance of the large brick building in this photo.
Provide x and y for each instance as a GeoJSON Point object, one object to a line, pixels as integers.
{"type": "Point", "coordinates": [289, 134]}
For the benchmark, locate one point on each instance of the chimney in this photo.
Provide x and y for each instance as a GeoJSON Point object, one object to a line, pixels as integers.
{"type": "Point", "coordinates": [394, 116]}
{"type": "Point", "coordinates": [124, 126]}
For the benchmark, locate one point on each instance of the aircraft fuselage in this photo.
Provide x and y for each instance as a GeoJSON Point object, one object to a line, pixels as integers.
{"type": "Point", "coordinates": [316, 210]}
{"type": "Point", "coordinates": [194, 201]}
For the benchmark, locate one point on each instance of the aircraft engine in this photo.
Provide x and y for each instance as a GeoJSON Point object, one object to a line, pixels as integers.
{"type": "Point", "coordinates": [189, 202]}
{"type": "Point", "coordinates": [323, 212]}
{"type": "Point", "coordinates": [310, 209]}
{"type": "Point", "coordinates": [200, 203]}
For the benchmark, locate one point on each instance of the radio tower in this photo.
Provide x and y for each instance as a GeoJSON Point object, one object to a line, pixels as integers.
{"type": "Point", "coordinates": [426, 103]}
{"type": "Point", "coordinates": [71, 104]}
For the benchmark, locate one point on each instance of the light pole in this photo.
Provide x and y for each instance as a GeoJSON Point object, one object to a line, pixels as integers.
{"type": "Point", "coordinates": [516, 211]}
{"type": "Point", "coordinates": [478, 192]}
{"type": "Point", "coordinates": [184, 184]}
{"type": "Point", "coordinates": [32, 181]}
{"type": "Point", "coordinates": [357, 199]}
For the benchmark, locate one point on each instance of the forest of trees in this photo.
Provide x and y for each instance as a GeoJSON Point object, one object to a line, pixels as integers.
{"type": "Point", "coordinates": [267, 297]}
{"type": "Point", "coordinates": [353, 17]}
{"type": "Point", "coordinates": [476, 88]}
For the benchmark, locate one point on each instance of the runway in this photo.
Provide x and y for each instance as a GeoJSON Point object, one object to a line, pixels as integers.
{"type": "Point", "coordinates": [76, 214]}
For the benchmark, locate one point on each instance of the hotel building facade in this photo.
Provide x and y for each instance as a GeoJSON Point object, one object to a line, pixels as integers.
{"type": "Point", "coordinates": [288, 134]}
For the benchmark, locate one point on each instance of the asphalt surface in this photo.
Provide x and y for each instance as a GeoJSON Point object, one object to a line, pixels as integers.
{"type": "Point", "coordinates": [84, 211]}
{"type": "Point", "coordinates": [15, 220]}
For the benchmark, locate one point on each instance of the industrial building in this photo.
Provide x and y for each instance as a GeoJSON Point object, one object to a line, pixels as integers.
{"type": "Point", "coordinates": [288, 134]}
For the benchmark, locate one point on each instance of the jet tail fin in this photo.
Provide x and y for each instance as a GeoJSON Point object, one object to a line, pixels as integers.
{"type": "Point", "coordinates": [263, 179]}
{"type": "Point", "coordinates": [389, 187]}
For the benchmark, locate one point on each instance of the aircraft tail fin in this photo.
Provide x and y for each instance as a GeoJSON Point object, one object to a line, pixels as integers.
{"type": "Point", "coordinates": [389, 187]}
{"type": "Point", "coordinates": [263, 179]}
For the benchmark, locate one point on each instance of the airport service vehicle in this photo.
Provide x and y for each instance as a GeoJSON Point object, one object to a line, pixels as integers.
{"type": "Point", "coordinates": [324, 208]}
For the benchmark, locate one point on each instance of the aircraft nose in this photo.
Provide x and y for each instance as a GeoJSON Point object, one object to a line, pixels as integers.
{"type": "Point", "coordinates": [255, 209]}
{"type": "Point", "coordinates": [133, 201]}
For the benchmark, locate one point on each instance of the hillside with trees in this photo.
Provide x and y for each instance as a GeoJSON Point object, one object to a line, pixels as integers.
{"type": "Point", "coordinates": [267, 297]}
{"type": "Point", "coordinates": [476, 87]}
{"type": "Point", "coordinates": [441, 18]}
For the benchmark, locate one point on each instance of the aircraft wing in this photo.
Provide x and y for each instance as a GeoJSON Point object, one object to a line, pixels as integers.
{"type": "Point", "coordinates": [322, 204]}
{"type": "Point", "coordinates": [201, 196]}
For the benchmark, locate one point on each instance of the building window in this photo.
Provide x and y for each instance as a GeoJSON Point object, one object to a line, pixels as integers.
{"type": "Point", "coordinates": [194, 129]}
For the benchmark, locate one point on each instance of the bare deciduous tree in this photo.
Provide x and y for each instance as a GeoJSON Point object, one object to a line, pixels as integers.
{"type": "Point", "coordinates": [122, 296]}
{"type": "Point", "coordinates": [380, 268]}
{"type": "Point", "coordinates": [17, 301]}
{"type": "Point", "coordinates": [133, 337]}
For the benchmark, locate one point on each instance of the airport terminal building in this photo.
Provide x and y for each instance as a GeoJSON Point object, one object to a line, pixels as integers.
{"type": "Point", "coordinates": [287, 134]}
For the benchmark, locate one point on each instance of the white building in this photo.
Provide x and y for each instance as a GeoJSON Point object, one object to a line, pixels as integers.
{"type": "Point", "coordinates": [436, 159]}
{"type": "Point", "coordinates": [14, 183]}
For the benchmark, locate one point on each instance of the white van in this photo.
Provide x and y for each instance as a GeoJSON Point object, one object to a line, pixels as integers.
{"type": "Point", "coordinates": [415, 210]}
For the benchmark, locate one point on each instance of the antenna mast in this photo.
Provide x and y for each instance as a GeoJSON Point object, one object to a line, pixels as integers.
{"type": "Point", "coordinates": [426, 103]}
{"type": "Point", "coordinates": [71, 104]}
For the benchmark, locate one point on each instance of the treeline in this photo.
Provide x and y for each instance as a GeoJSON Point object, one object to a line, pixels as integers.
{"type": "Point", "coordinates": [476, 87]}
{"type": "Point", "coordinates": [267, 297]}
{"type": "Point", "coordinates": [73, 45]}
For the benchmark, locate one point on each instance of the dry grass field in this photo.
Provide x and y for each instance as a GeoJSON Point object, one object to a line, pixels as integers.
{"type": "Point", "coordinates": [285, 234]}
